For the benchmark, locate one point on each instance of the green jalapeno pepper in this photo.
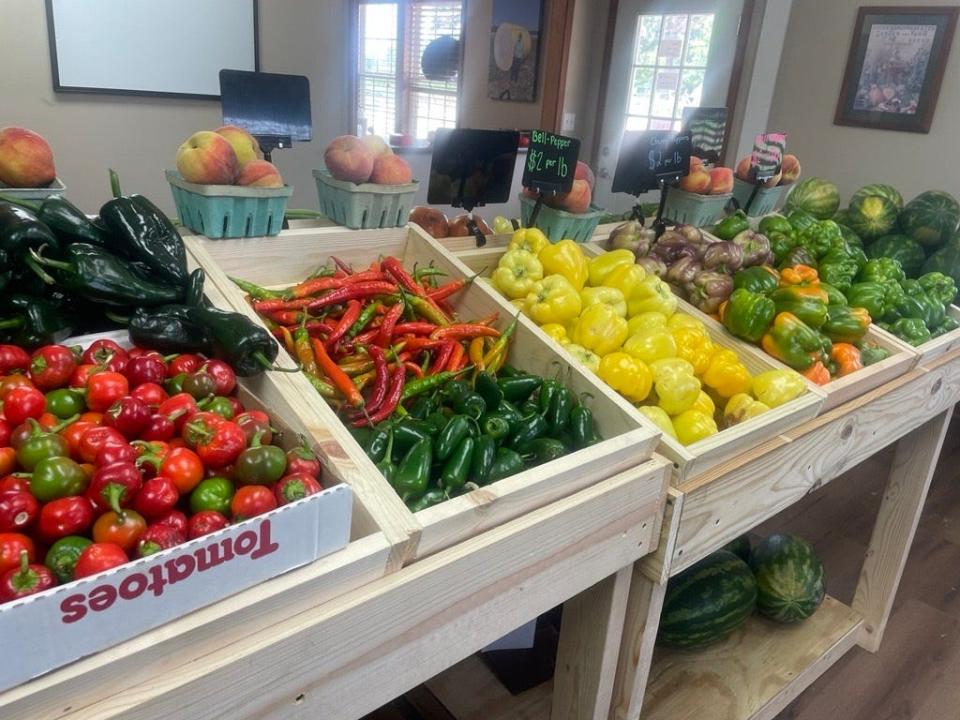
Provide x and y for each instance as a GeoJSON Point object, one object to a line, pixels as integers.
{"type": "Point", "coordinates": [413, 474]}
{"type": "Point", "coordinates": [457, 428]}
{"type": "Point", "coordinates": [506, 463]}
{"type": "Point", "coordinates": [520, 387]}
{"type": "Point", "coordinates": [484, 453]}
{"type": "Point", "coordinates": [457, 468]}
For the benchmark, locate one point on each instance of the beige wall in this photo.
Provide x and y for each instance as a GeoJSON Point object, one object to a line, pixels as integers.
{"type": "Point", "coordinates": [808, 85]}
{"type": "Point", "coordinates": [584, 71]}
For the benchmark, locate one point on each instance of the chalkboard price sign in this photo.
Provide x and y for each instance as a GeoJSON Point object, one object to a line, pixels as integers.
{"type": "Point", "coordinates": [551, 162]}
{"type": "Point", "coordinates": [651, 158]}
{"type": "Point", "coordinates": [767, 157]}
{"type": "Point", "coordinates": [708, 129]}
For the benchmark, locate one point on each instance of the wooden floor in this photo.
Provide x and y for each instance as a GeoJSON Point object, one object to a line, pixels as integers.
{"type": "Point", "coordinates": [915, 674]}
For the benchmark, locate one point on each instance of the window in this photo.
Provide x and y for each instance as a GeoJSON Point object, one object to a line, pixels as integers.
{"type": "Point", "coordinates": [392, 94]}
{"type": "Point", "coordinates": [669, 67]}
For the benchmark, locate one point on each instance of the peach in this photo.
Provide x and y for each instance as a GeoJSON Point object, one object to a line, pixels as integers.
{"type": "Point", "coordinates": [376, 145]}
{"type": "Point", "coordinates": [743, 169]}
{"type": "Point", "coordinates": [458, 226]}
{"type": "Point", "coordinates": [244, 144]}
{"type": "Point", "coordinates": [391, 170]}
{"type": "Point", "coordinates": [584, 172]}
{"type": "Point", "coordinates": [260, 173]}
{"type": "Point", "coordinates": [772, 182]}
{"type": "Point", "coordinates": [790, 169]}
{"type": "Point", "coordinates": [431, 220]}
{"type": "Point", "coordinates": [721, 180]}
{"type": "Point", "coordinates": [349, 159]}
{"type": "Point", "coordinates": [576, 201]}
{"type": "Point", "coordinates": [695, 163]}
{"type": "Point", "coordinates": [26, 159]}
{"type": "Point", "coordinates": [698, 181]}
{"type": "Point", "coordinates": [207, 158]}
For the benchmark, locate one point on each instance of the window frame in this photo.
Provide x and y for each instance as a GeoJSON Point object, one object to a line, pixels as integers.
{"type": "Point", "coordinates": [403, 86]}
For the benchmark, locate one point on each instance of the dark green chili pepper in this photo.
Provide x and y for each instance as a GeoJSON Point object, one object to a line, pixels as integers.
{"type": "Point", "coordinates": [409, 431]}
{"type": "Point", "coordinates": [413, 474]}
{"type": "Point", "coordinates": [582, 428]}
{"type": "Point", "coordinates": [42, 322]}
{"type": "Point", "coordinates": [426, 384]}
{"type": "Point", "coordinates": [168, 329]}
{"type": "Point", "coordinates": [558, 414]}
{"type": "Point", "coordinates": [509, 371]}
{"type": "Point", "coordinates": [438, 420]}
{"type": "Point", "coordinates": [377, 444]}
{"type": "Point", "coordinates": [21, 231]}
{"type": "Point", "coordinates": [484, 453]}
{"type": "Point", "coordinates": [193, 295]}
{"type": "Point", "coordinates": [366, 316]}
{"type": "Point", "coordinates": [506, 463]}
{"type": "Point", "coordinates": [68, 222]}
{"type": "Point", "coordinates": [495, 425]}
{"type": "Point", "coordinates": [362, 436]}
{"type": "Point", "coordinates": [428, 499]}
{"type": "Point", "coordinates": [456, 429]}
{"type": "Point", "coordinates": [422, 406]}
{"type": "Point", "coordinates": [455, 391]}
{"type": "Point", "coordinates": [520, 387]}
{"type": "Point", "coordinates": [548, 389]}
{"type": "Point", "coordinates": [488, 388]}
{"type": "Point", "coordinates": [511, 412]}
{"type": "Point", "coordinates": [385, 464]}
{"type": "Point", "coordinates": [543, 450]}
{"type": "Point", "coordinates": [530, 428]}
{"type": "Point", "coordinates": [472, 405]}
{"type": "Point", "coordinates": [455, 470]}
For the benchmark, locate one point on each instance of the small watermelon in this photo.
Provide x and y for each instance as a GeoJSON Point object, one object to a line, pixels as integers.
{"type": "Point", "coordinates": [707, 601]}
{"type": "Point", "coordinates": [817, 196]}
{"type": "Point", "coordinates": [849, 235]}
{"type": "Point", "coordinates": [740, 547]}
{"type": "Point", "coordinates": [880, 190]}
{"type": "Point", "coordinates": [871, 216]}
{"type": "Point", "coordinates": [946, 260]}
{"type": "Point", "coordinates": [841, 217]}
{"type": "Point", "coordinates": [789, 578]}
{"type": "Point", "coordinates": [899, 247]}
{"type": "Point", "coordinates": [930, 218]}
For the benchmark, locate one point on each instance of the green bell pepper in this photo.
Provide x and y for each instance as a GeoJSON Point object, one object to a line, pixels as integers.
{"type": "Point", "coordinates": [758, 279]}
{"type": "Point", "coordinates": [949, 324]}
{"type": "Point", "coordinates": [801, 220]}
{"type": "Point", "coordinates": [731, 226]}
{"type": "Point", "coordinates": [809, 303]}
{"type": "Point", "coordinates": [871, 353]}
{"type": "Point", "coordinates": [869, 295]}
{"type": "Point", "coordinates": [834, 295]}
{"type": "Point", "coordinates": [846, 324]}
{"type": "Point", "coordinates": [748, 314]}
{"type": "Point", "coordinates": [214, 493]}
{"type": "Point", "coordinates": [798, 255]}
{"type": "Point", "coordinates": [912, 330]}
{"type": "Point", "coordinates": [780, 245]}
{"type": "Point", "coordinates": [838, 269]}
{"type": "Point", "coordinates": [931, 309]}
{"type": "Point", "coordinates": [775, 223]}
{"type": "Point", "coordinates": [939, 286]}
{"type": "Point", "coordinates": [880, 269]}
{"type": "Point", "coordinates": [793, 342]}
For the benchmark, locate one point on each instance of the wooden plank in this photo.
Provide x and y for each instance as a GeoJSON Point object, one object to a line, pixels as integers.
{"type": "Point", "coordinates": [753, 674]}
{"type": "Point", "coordinates": [589, 645]}
{"type": "Point", "coordinates": [913, 466]}
{"type": "Point", "coordinates": [354, 653]}
{"type": "Point", "coordinates": [738, 495]}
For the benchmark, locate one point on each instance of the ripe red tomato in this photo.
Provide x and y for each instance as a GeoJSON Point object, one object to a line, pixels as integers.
{"type": "Point", "coordinates": [217, 444]}
{"type": "Point", "coordinates": [151, 393]}
{"type": "Point", "coordinates": [98, 557]}
{"type": "Point", "coordinates": [252, 500]}
{"type": "Point", "coordinates": [95, 438]}
{"type": "Point", "coordinates": [185, 363]}
{"type": "Point", "coordinates": [51, 366]}
{"type": "Point", "coordinates": [107, 354]}
{"type": "Point", "coordinates": [104, 389]}
{"type": "Point", "coordinates": [206, 522]}
{"type": "Point", "coordinates": [21, 403]}
{"type": "Point", "coordinates": [124, 528]}
{"type": "Point", "coordinates": [82, 373]}
{"type": "Point", "coordinates": [72, 433]}
{"type": "Point", "coordinates": [13, 359]}
{"type": "Point", "coordinates": [184, 468]}
{"type": "Point", "coordinates": [12, 381]}
{"type": "Point", "coordinates": [11, 545]}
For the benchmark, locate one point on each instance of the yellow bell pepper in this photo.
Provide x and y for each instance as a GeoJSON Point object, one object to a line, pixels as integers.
{"type": "Point", "coordinates": [530, 239]}
{"type": "Point", "coordinates": [516, 274]}
{"type": "Point", "coordinates": [604, 296]}
{"type": "Point", "coordinates": [694, 347]}
{"type": "Point", "coordinates": [775, 387]}
{"type": "Point", "coordinates": [677, 392]}
{"type": "Point", "coordinates": [567, 259]}
{"type": "Point", "coordinates": [704, 404]}
{"type": "Point", "coordinates": [652, 295]}
{"type": "Point", "coordinates": [727, 375]}
{"type": "Point", "coordinates": [602, 265]}
{"type": "Point", "coordinates": [669, 366]}
{"type": "Point", "coordinates": [659, 418]}
{"type": "Point", "coordinates": [649, 345]}
{"type": "Point", "coordinates": [682, 320]}
{"type": "Point", "coordinates": [626, 279]}
{"type": "Point", "coordinates": [627, 375]}
{"type": "Point", "coordinates": [520, 304]}
{"type": "Point", "coordinates": [553, 300]}
{"type": "Point", "coordinates": [600, 329]}
{"type": "Point", "coordinates": [742, 407]}
{"type": "Point", "coordinates": [557, 332]}
{"type": "Point", "coordinates": [586, 358]}
{"type": "Point", "coordinates": [647, 321]}
{"type": "Point", "coordinates": [693, 425]}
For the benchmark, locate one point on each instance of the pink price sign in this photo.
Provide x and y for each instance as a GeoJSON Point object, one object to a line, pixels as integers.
{"type": "Point", "coordinates": [767, 156]}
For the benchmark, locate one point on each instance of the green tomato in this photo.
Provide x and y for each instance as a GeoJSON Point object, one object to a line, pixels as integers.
{"type": "Point", "coordinates": [57, 477]}
{"type": "Point", "coordinates": [65, 403]}
{"type": "Point", "coordinates": [214, 493]}
{"type": "Point", "coordinates": [39, 446]}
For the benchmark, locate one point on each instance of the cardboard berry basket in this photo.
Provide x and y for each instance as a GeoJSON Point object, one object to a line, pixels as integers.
{"type": "Point", "coordinates": [690, 459]}
{"type": "Point", "coordinates": [293, 255]}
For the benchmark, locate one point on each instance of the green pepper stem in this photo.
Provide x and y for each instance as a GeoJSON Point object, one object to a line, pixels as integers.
{"type": "Point", "coordinates": [115, 183]}
{"type": "Point", "coordinates": [11, 323]}
{"type": "Point", "coordinates": [267, 365]}
{"type": "Point", "coordinates": [41, 273]}
{"type": "Point", "coordinates": [119, 319]}
{"type": "Point", "coordinates": [21, 202]}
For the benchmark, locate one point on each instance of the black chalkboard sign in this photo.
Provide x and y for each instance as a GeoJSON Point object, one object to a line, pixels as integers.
{"type": "Point", "coordinates": [767, 156]}
{"type": "Point", "coordinates": [708, 129]}
{"type": "Point", "coordinates": [470, 168]}
{"type": "Point", "coordinates": [650, 158]}
{"type": "Point", "coordinates": [551, 162]}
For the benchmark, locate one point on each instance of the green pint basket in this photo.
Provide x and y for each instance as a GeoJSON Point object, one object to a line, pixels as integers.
{"type": "Point", "coordinates": [560, 225]}
{"type": "Point", "coordinates": [229, 211]}
{"type": "Point", "coordinates": [55, 188]}
{"type": "Point", "coordinates": [693, 209]}
{"type": "Point", "coordinates": [764, 203]}
{"type": "Point", "coordinates": [365, 206]}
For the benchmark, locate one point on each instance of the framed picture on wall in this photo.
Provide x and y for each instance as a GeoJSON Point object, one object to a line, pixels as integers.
{"type": "Point", "coordinates": [895, 67]}
{"type": "Point", "coordinates": [515, 50]}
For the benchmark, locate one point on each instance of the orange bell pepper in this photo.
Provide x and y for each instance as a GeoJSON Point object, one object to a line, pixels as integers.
{"type": "Point", "coordinates": [799, 275]}
{"type": "Point", "coordinates": [817, 373]}
{"type": "Point", "coordinates": [847, 358]}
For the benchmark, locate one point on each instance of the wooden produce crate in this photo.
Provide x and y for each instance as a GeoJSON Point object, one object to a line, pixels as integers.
{"type": "Point", "coordinates": [289, 257]}
{"type": "Point", "coordinates": [933, 349]}
{"type": "Point", "coordinates": [690, 459]}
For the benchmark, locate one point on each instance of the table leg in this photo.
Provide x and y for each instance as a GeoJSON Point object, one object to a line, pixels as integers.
{"type": "Point", "coordinates": [913, 466]}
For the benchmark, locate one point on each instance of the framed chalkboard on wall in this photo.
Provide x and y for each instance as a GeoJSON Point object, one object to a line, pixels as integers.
{"type": "Point", "coordinates": [173, 48]}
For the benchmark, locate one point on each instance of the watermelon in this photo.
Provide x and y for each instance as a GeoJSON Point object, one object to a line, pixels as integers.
{"type": "Point", "coordinates": [930, 218]}
{"type": "Point", "coordinates": [789, 578]}
{"type": "Point", "coordinates": [899, 247]}
{"type": "Point", "coordinates": [849, 235]}
{"type": "Point", "coordinates": [739, 547]}
{"type": "Point", "coordinates": [946, 260]}
{"type": "Point", "coordinates": [879, 189]}
{"type": "Point", "coordinates": [841, 217]}
{"type": "Point", "coordinates": [707, 601]}
{"type": "Point", "coordinates": [871, 216]}
{"type": "Point", "coordinates": [817, 196]}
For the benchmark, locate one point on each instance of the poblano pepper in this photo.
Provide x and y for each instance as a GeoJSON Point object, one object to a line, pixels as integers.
{"type": "Point", "coordinates": [168, 329]}
{"type": "Point", "coordinates": [21, 231]}
{"type": "Point", "coordinates": [40, 321]}
{"type": "Point", "coordinates": [68, 222]}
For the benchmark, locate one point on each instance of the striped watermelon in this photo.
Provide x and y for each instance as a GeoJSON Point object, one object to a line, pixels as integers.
{"type": "Point", "coordinates": [899, 247]}
{"type": "Point", "coordinates": [817, 196]}
{"type": "Point", "coordinates": [739, 547]}
{"type": "Point", "coordinates": [930, 218]}
{"type": "Point", "coordinates": [880, 190]}
{"type": "Point", "coordinates": [707, 601]}
{"type": "Point", "coordinates": [871, 216]}
{"type": "Point", "coordinates": [789, 576]}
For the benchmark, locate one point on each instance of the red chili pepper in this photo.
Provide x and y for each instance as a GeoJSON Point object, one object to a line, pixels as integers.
{"type": "Point", "coordinates": [282, 333]}
{"type": "Point", "coordinates": [389, 325]}
{"type": "Point", "coordinates": [348, 318]}
{"type": "Point", "coordinates": [18, 510]}
{"type": "Point", "coordinates": [394, 393]}
{"type": "Point", "coordinates": [269, 306]}
{"type": "Point", "coordinates": [159, 537]}
{"type": "Point", "coordinates": [313, 286]}
{"type": "Point", "coordinates": [447, 289]}
{"type": "Point", "coordinates": [106, 353]}
{"type": "Point", "coordinates": [184, 363]}
{"type": "Point", "coordinates": [344, 267]}
{"type": "Point", "coordinates": [218, 442]}
{"type": "Point", "coordinates": [367, 336]}
{"type": "Point", "coordinates": [287, 317]}
{"type": "Point", "coordinates": [115, 453]}
{"type": "Point", "coordinates": [148, 368]}
{"type": "Point", "coordinates": [338, 377]}
{"type": "Point", "coordinates": [416, 344]}
{"type": "Point", "coordinates": [352, 292]}
{"type": "Point", "coordinates": [95, 439]}
{"type": "Point", "coordinates": [464, 331]}
{"type": "Point", "coordinates": [414, 328]}
{"type": "Point", "coordinates": [382, 380]}
{"type": "Point", "coordinates": [442, 357]}
{"type": "Point", "coordinates": [456, 357]}
{"type": "Point", "coordinates": [413, 368]}
{"type": "Point", "coordinates": [129, 415]}
{"type": "Point", "coordinates": [395, 269]}
{"type": "Point", "coordinates": [304, 353]}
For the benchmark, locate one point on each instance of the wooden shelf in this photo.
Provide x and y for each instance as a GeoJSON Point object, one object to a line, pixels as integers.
{"type": "Point", "coordinates": [753, 674]}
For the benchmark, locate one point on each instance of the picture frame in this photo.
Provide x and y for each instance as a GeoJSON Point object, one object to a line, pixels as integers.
{"type": "Point", "coordinates": [516, 35]}
{"type": "Point", "coordinates": [895, 67]}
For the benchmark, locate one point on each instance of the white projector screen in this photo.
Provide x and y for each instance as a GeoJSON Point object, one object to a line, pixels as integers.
{"type": "Point", "coordinates": [153, 47]}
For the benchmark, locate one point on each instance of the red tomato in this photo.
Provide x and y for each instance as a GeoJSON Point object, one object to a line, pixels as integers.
{"type": "Point", "coordinates": [223, 375]}
{"type": "Point", "coordinates": [151, 393]}
{"type": "Point", "coordinates": [95, 438]}
{"type": "Point", "coordinates": [295, 486]}
{"type": "Point", "coordinates": [107, 354]}
{"type": "Point", "coordinates": [124, 529]}
{"type": "Point", "coordinates": [217, 444]}
{"type": "Point", "coordinates": [82, 373]}
{"type": "Point", "coordinates": [21, 403]}
{"type": "Point", "coordinates": [148, 368]}
{"type": "Point", "coordinates": [156, 498]}
{"type": "Point", "coordinates": [11, 545]}
{"type": "Point", "coordinates": [13, 358]}
{"type": "Point", "coordinates": [104, 389]}
{"type": "Point", "coordinates": [185, 363]}
{"type": "Point", "coordinates": [64, 516]}
{"type": "Point", "coordinates": [51, 366]}
{"type": "Point", "coordinates": [98, 557]}
{"type": "Point", "coordinates": [11, 381]}
{"type": "Point", "coordinates": [205, 522]}
{"type": "Point", "coordinates": [94, 418]}
{"type": "Point", "coordinates": [129, 415]}
{"type": "Point", "coordinates": [73, 433]}
{"type": "Point", "coordinates": [179, 408]}
{"type": "Point", "coordinates": [252, 500]}
{"type": "Point", "coordinates": [184, 468]}
{"type": "Point", "coordinates": [175, 519]}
